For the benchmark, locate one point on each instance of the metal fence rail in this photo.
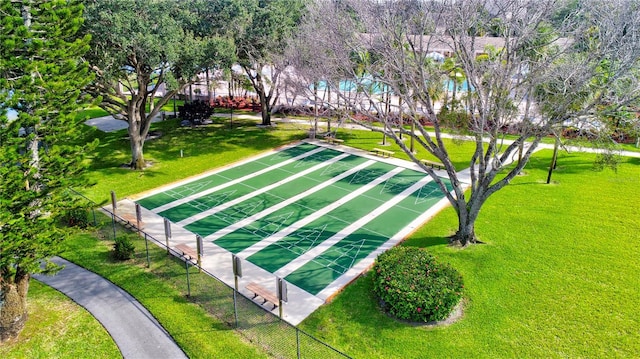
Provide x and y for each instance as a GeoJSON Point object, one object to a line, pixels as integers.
{"type": "Point", "coordinates": [266, 330]}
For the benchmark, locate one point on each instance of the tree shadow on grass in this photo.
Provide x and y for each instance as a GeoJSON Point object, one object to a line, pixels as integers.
{"type": "Point", "coordinates": [634, 161]}
{"type": "Point", "coordinates": [114, 148]}
{"type": "Point", "coordinates": [218, 139]}
{"type": "Point", "coordinates": [424, 242]}
{"type": "Point", "coordinates": [536, 171]}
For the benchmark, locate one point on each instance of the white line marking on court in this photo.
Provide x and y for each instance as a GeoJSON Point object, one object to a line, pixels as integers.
{"type": "Point", "coordinates": [324, 246]}
{"type": "Point", "coordinates": [266, 212]}
{"type": "Point", "coordinates": [175, 203]}
{"type": "Point", "coordinates": [321, 212]}
{"type": "Point", "coordinates": [224, 206]}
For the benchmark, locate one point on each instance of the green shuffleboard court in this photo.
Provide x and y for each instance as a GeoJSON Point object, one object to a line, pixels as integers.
{"type": "Point", "coordinates": [305, 213]}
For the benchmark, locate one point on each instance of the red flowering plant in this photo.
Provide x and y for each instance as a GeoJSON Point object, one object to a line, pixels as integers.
{"type": "Point", "coordinates": [412, 285]}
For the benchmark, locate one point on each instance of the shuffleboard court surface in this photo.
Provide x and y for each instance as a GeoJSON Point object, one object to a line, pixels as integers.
{"type": "Point", "coordinates": [229, 216]}
{"type": "Point", "coordinates": [330, 265]}
{"type": "Point", "coordinates": [301, 241]}
{"type": "Point", "coordinates": [306, 213]}
{"type": "Point", "coordinates": [261, 229]}
{"type": "Point", "coordinates": [224, 176]}
{"type": "Point", "coordinates": [201, 204]}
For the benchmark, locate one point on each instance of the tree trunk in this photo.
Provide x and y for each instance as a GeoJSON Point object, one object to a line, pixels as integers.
{"type": "Point", "coordinates": [464, 236]}
{"type": "Point", "coordinates": [13, 307]}
{"type": "Point", "coordinates": [554, 159]}
{"type": "Point", "coordinates": [264, 99]}
{"type": "Point", "coordinates": [400, 123]}
{"type": "Point", "coordinates": [209, 98]}
{"type": "Point", "coordinates": [266, 109]}
{"type": "Point", "coordinates": [137, 156]}
{"type": "Point", "coordinates": [137, 135]}
{"type": "Point", "coordinates": [315, 106]}
{"type": "Point", "coordinates": [454, 95]}
{"type": "Point", "coordinates": [466, 233]}
{"type": "Point", "coordinates": [413, 130]}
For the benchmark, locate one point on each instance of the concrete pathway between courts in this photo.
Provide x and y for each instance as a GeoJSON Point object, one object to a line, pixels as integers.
{"type": "Point", "coordinates": [136, 332]}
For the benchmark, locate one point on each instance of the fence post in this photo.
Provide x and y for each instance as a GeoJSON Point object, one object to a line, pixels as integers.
{"type": "Point", "coordinates": [146, 245]}
{"type": "Point", "coordinates": [298, 341]}
{"type": "Point", "coordinates": [114, 202]}
{"type": "Point", "coordinates": [138, 217]}
{"type": "Point", "coordinates": [281, 287]}
{"type": "Point", "coordinates": [95, 221]}
{"type": "Point", "coordinates": [186, 264]}
{"type": "Point", "coordinates": [200, 249]}
{"type": "Point", "coordinates": [167, 233]}
{"type": "Point", "coordinates": [113, 213]}
{"type": "Point", "coordinates": [236, 264]}
{"type": "Point", "coordinates": [113, 225]}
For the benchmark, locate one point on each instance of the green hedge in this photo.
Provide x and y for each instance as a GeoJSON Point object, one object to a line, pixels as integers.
{"type": "Point", "coordinates": [412, 285]}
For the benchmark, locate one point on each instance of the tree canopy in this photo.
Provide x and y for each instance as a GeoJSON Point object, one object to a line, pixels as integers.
{"type": "Point", "coordinates": [539, 74]}
{"type": "Point", "coordinates": [262, 43]}
{"type": "Point", "coordinates": [145, 52]}
{"type": "Point", "coordinates": [41, 74]}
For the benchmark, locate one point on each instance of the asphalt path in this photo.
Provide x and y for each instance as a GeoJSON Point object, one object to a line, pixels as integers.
{"type": "Point", "coordinates": [135, 331]}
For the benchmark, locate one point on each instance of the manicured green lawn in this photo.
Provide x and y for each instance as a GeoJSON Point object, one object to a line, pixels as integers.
{"type": "Point", "coordinates": [557, 277]}
{"type": "Point", "coordinates": [91, 112]}
{"type": "Point", "coordinates": [459, 152]}
{"type": "Point", "coordinates": [59, 328]}
{"type": "Point", "coordinates": [203, 148]}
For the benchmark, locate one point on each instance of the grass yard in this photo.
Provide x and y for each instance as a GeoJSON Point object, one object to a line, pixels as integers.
{"type": "Point", "coordinates": [58, 328]}
{"type": "Point", "coordinates": [459, 152]}
{"type": "Point", "coordinates": [203, 148]}
{"type": "Point", "coordinates": [558, 276]}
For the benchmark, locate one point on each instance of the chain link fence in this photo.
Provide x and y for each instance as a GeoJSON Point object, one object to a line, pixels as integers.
{"type": "Point", "coordinates": [273, 335]}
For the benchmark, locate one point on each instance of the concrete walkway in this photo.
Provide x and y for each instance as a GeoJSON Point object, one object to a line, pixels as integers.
{"type": "Point", "coordinates": [136, 332]}
{"type": "Point", "coordinates": [110, 124]}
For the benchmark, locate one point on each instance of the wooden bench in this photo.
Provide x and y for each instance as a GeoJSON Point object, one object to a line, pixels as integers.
{"type": "Point", "coordinates": [130, 221]}
{"type": "Point", "coordinates": [187, 252]}
{"type": "Point", "coordinates": [264, 293]}
{"type": "Point", "coordinates": [381, 152]}
{"type": "Point", "coordinates": [432, 164]}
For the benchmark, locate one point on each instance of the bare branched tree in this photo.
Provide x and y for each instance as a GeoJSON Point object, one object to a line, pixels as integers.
{"type": "Point", "coordinates": [529, 66]}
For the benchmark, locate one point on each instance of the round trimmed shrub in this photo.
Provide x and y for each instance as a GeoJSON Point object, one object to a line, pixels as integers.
{"type": "Point", "coordinates": [123, 248]}
{"type": "Point", "coordinates": [76, 217]}
{"type": "Point", "coordinates": [412, 285]}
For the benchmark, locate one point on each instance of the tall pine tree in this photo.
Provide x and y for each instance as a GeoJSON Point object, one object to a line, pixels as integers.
{"type": "Point", "coordinates": [41, 74]}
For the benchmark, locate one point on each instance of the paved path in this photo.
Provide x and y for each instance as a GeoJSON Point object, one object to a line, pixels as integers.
{"type": "Point", "coordinates": [136, 332]}
{"type": "Point", "coordinates": [110, 124]}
